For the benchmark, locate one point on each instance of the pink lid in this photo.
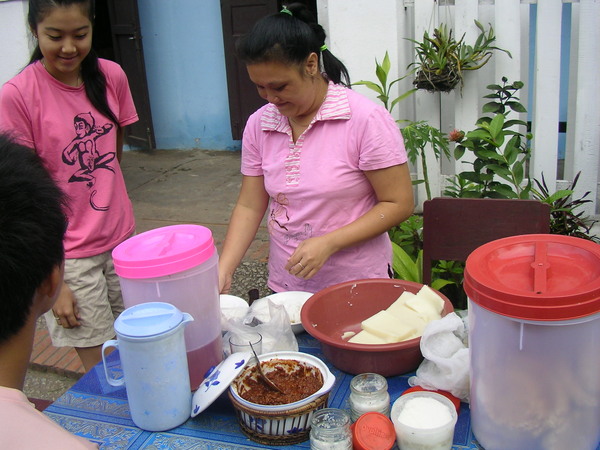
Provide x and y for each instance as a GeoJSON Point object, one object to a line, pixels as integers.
{"type": "Point", "coordinates": [163, 251]}
{"type": "Point", "coordinates": [539, 277]}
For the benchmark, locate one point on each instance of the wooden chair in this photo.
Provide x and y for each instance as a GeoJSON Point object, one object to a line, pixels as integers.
{"type": "Point", "coordinates": [454, 227]}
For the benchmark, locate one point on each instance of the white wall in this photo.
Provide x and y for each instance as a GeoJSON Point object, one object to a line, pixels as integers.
{"type": "Point", "coordinates": [14, 36]}
{"type": "Point", "coordinates": [350, 37]}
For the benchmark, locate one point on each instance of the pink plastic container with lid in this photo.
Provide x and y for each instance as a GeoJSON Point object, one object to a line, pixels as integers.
{"type": "Point", "coordinates": [177, 265]}
{"type": "Point", "coordinates": [534, 333]}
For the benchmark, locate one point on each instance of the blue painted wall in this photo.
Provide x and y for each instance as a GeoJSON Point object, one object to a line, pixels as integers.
{"type": "Point", "coordinates": [185, 68]}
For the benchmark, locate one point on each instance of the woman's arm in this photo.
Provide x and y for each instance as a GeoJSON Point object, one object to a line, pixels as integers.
{"type": "Point", "coordinates": [393, 188]}
{"type": "Point", "coordinates": [243, 225]}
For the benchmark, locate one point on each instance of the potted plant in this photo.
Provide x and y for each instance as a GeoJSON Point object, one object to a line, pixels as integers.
{"type": "Point", "coordinates": [441, 59]}
{"type": "Point", "coordinates": [383, 89]}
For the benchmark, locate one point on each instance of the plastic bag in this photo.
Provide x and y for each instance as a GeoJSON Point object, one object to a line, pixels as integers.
{"type": "Point", "coordinates": [444, 345]}
{"type": "Point", "coordinates": [274, 326]}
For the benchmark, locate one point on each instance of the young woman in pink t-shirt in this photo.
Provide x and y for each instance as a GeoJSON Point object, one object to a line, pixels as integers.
{"type": "Point", "coordinates": [71, 107]}
{"type": "Point", "coordinates": [327, 165]}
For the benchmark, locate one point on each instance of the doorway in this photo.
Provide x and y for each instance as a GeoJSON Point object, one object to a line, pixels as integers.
{"type": "Point", "coordinates": [117, 37]}
{"type": "Point", "coordinates": [238, 17]}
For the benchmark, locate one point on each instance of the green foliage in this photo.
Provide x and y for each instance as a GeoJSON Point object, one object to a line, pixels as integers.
{"type": "Point", "coordinates": [383, 89]}
{"type": "Point", "coordinates": [409, 234]}
{"type": "Point", "coordinates": [417, 136]}
{"type": "Point", "coordinates": [410, 268]}
{"type": "Point", "coordinates": [501, 151]}
{"type": "Point", "coordinates": [441, 59]}
{"type": "Point", "coordinates": [499, 168]}
{"type": "Point", "coordinates": [563, 218]}
{"type": "Point", "coordinates": [407, 246]}
{"type": "Point", "coordinates": [462, 188]}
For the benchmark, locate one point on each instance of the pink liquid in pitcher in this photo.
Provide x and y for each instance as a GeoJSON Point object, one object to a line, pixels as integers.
{"type": "Point", "coordinates": [202, 359]}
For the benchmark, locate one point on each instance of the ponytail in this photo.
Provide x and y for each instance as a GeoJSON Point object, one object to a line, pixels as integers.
{"type": "Point", "coordinates": [289, 37]}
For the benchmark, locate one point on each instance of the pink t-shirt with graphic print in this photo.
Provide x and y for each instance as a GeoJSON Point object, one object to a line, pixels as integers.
{"type": "Point", "coordinates": [318, 184]}
{"type": "Point", "coordinates": [78, 147]}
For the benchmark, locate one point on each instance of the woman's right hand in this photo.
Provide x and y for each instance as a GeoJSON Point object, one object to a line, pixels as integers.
{"type": "Point", "coordinates": [65, 309]}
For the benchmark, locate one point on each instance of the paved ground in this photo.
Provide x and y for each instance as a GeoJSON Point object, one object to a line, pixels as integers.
{"type": "Point", "coordinates": [167, 187]}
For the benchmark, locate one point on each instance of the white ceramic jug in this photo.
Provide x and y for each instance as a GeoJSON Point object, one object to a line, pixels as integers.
{"type": "Point", "coordinates": [152, 351]}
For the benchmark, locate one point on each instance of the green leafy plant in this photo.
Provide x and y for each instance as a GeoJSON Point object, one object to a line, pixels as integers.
{"type": "Point", "coordinates": [407, 246]}
{"type": "Point", "coordinates": [441, 59]}
{"type": "Point", "coordinates": [563, 218]}
{"type": "Point", "coordinates": [453, 273]}
{"type": "Point", "coordinates": [417, 136]}
{"type": "Point", "coordinates": [409, 234]}
{"type": "Point", "coordinates": [459, 188]}
{"type": "Point", "coordinates": [410, 268]}
{"type": "Point", "coordinates": [384, 87]}
{"type": "Point", "coordinates": [501, 151]}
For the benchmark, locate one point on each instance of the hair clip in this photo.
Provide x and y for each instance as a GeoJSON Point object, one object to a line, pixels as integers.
{"type": "Point", "coordinates": [286, 11]}
{"type": "Point", "coordinates": [323, 47]}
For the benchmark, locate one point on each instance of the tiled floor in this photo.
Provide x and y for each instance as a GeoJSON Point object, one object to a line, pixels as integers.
{"type": "Point", "coordinates": [45, 356]}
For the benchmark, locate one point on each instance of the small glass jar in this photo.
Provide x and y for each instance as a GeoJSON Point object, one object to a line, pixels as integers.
{"type": "Point", "coordinates": [368, 394]}
{"type": "Point", "coordinates": [330, 430]}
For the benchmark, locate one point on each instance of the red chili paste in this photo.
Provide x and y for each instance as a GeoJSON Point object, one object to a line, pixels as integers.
{"type": "Point", "coordinates": [295, 379]}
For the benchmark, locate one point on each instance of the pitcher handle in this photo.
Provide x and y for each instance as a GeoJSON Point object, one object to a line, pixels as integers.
{"type": "Point", "coordinates": [112, 381]}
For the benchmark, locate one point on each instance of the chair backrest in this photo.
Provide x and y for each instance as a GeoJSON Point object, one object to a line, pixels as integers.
{"type": "Point", "coordinates": [454, 227]}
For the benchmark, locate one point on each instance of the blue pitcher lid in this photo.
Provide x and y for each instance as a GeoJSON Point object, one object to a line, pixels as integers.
{"type": "Point", "coordinates": [148, 319]}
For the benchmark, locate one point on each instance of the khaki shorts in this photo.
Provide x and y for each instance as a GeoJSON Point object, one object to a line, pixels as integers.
{"type": "Point", "coordinates": [98, 292]}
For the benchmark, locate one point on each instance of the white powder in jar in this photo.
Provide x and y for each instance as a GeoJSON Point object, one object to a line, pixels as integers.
{"type": "Point", "coordinates": [424, 412]}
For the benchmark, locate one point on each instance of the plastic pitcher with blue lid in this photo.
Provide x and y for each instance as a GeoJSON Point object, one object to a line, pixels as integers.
{"type": "Point", "coordinates": [153, 358]}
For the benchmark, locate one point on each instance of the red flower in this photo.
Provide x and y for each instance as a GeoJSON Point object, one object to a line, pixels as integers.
{"type": "Point", "coordinates": [456, 135]}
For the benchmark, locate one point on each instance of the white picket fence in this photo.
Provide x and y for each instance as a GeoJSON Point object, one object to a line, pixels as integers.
{"type": "Point", "coordinates": [511, 20]}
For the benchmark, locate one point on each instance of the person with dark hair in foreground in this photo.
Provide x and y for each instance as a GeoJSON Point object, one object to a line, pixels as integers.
{"type": "Point", "coordinates": [32, 227]}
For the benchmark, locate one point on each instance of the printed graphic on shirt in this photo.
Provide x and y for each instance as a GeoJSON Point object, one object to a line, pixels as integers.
{"type": "Point", "coordinates": [278, 216]}
{"type": "Point", "coordinates": [84, 153]}
{"type": "Point", "coordinates": [300, 235]}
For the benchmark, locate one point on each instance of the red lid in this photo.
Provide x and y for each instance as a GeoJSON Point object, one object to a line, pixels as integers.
{"type": "Point", "coordinates": [448, 395]}
{"type": "Point", "coordinates": [373, 431]}
{"type": "Point", "coordinates": [539, 277]}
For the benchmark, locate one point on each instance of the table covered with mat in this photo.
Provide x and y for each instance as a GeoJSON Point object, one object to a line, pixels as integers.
{"type": "Point", "coordinates": [99, 412]}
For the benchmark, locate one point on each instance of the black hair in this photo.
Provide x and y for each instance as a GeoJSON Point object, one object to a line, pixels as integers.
{"type": "Point", "coordinates": [289, 39]}
{"type": "Point", "coordinates": [93, 78]}
{"type": "Point", "coordinates": [32, 228]}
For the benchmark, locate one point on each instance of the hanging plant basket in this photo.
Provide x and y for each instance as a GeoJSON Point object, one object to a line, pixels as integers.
{"type": "Point", "coordinates": [441, 60]}
{"type": "Point", "coordinates": [437, 81]}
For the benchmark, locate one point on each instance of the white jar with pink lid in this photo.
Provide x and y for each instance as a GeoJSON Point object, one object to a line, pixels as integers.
{"type": "Point", "coordinates": [177, 264]}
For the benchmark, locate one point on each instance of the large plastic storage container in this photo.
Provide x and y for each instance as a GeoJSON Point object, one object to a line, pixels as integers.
{"type": "Point", "coordinates": [534, 338]}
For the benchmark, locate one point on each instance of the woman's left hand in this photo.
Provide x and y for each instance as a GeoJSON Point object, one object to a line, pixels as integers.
{"type": "Point", "coordinates": [309, 257]}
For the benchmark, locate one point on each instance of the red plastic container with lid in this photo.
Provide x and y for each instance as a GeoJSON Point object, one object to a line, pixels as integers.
{"type": "Point", "coordinates": [534, 334]}
{"type": "Point", "coordinates": [373, 431]}
{"type": "Point", "coordinates": [177, 265]}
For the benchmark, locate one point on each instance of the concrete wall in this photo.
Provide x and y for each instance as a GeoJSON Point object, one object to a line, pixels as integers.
{"type": "Point", "coordinates": [14, 36]}
{"type": "Point", "coordinates": [185, 68]}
